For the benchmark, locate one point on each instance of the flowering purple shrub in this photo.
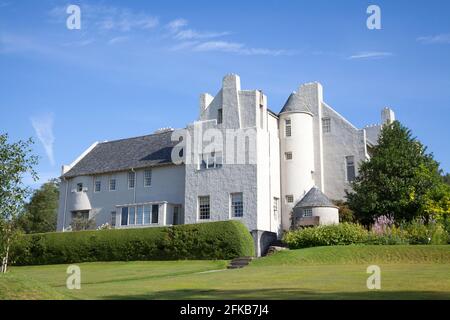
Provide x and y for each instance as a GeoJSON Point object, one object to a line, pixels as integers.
{"type": "Point", "coordinates": [383, 224]}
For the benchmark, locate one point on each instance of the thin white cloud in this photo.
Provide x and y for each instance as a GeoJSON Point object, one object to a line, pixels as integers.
{"type": "Point", "coordinates": [239, 48]}
{"type": "Point", "coordinates": [43, 126]}
{"type": "Point", "coordinates": [443, 38]}
{"type": "Point", "coordinates": [176, 24]}
{"type": "Point", "coordinates": [192, 34]}
{"type": "Point", "coordinates": [117, 40]}
{"type": "Point", "coordinates": [81, 43]}
{"type": "Point", "coordinates": [370, 55]}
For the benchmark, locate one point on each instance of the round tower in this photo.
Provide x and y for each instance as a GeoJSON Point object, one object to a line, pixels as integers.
{"type": "Point", "coordinates": [297, 154]}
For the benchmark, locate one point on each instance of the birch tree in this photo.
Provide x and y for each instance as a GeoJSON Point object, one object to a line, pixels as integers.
{"type": "Point", "coordinates": [16, 160]}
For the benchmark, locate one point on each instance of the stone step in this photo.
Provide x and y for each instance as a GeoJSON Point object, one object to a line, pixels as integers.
{"type": "Point", "coordinates": [239, 262]}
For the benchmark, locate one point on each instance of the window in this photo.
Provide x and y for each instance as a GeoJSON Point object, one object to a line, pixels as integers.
{"type": "Point", "coordinates": [289, 198]}
{"type": "Point", "coordinates": [237, 205]}
{"type": "Point", "coordinates": [288, 127]}
{"type": "Point", "coordinates": [219, 116]}
{"type": "Point", "coordinates": [131, 179]}
{"type": "Point", "coordinates": [112, 184]}
{"type": "Point", "coordinates": [97, 185]}
{"type": "Point", "coordinates": [148, 178]}
{"type": "Point", "coordinates": [139, 214]}
{"type": "Point", "coordinates": [203, 208]}
{"type": "Point", "coordinates": [79, 187]}
{"type": "Point", "coordinates": [146, 214]}
{"type": "Point", "coordinates": [113, 219]}
{"type": "Point", "coordinates": [155, 213]}
{"type": "Point", "coordinates": [326, 125]}
{"type": "Point", "coordinates": [211, 160]}
{"type": "Point", "coordinates": [176, 215]}
{"type": "Point", "coordinates": [288, 155]}
{"type": "Point", "coordinates": [350, 163]}
{"type": "Point", "coordinates": [124, 217]}
{"type": "Point", "coordinates": [307, 212]}
{"type": "Point", "coordinates": [275, 208]}
{"type": "Point", "coordinates": [132, 216]}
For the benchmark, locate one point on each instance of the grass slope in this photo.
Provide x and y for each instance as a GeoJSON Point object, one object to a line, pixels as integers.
{"type": "Point", "coordinates": [408, 272]}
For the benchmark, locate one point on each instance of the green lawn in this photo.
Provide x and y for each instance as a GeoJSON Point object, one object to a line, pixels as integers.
{"type": "Point", "coordinates": [407, 272]}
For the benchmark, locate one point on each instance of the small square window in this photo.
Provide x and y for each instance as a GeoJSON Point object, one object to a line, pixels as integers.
{"type": "Point", "coordinates": [290, 198]}
{"type": "Point", "coordinates": [288, 155]}
{"type": "Point", "coordinates": [79, 187]}
{"type": "Point", "coordinates": [307, 212]}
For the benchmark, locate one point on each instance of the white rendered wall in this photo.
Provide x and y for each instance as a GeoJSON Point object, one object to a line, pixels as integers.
{"type": "Point", "coordinates": [296, 174]}
{"type": "Point", "coordinates": [327, 215]}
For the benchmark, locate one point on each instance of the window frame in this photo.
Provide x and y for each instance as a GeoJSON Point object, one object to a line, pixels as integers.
{"type": "Point", "coordinates": [131, 177]}
{"type": "Point", "coordinates": [146, 177]}
{"type": "Point", "coordinates": [307, 213]}
{"type": "Point", "coordinates": [235, 205]}
{"type": "Point", "coordinates": [276, 208]}
{"type": "Point", "coordinates": [288, 197]}
{"type": "Point", "coordinates": [115, 183]}
{"type": "Point", "coordinates": [99, 181]}
{"type": "Point", "coordinates": [201, 216]}
{"type": "Point", "coordinates": [326, 125]}
{"type": "Point", "coordinates": [204, 159]}
{"type": "Point", "coordinates": [288, 156]}
{"type": "Point", "coordinates": [288, 128]}
{"type": "Point", "coordinates": [350, 163]}
{"type": "Point", "coordinates": [79, 187]}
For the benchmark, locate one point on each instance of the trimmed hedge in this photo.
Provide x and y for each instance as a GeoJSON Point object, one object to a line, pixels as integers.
{"type": "Point", "coordinates": [213, 240]}
{"type": "Point", "coordinates": [327, 235]}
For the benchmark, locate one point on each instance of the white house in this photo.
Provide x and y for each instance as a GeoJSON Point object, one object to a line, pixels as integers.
{"type": "Point", "coordinates": [240, 160]}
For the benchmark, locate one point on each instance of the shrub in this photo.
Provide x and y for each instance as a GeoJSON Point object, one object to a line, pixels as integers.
{"type": "Point", "coordinates": [215, 240]}
{"type": "Point", "coordinates": [330, 235]}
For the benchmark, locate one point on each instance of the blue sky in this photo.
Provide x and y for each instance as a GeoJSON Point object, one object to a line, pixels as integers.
{"type": "Point", "coordinates": [137, 66]}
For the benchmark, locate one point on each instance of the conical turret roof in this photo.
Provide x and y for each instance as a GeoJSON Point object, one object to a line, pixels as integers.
{"type": "Point", "coordinates": [314, 198]}
{"type": "Point", "coordinates": [295, 103]}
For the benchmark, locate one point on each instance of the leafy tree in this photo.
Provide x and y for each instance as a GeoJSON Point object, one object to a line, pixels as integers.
{"type": "Point", "coordinates": [42, 210]}
{"type": "Point", "coordinates": [15, 161]}
{"type": "Point", "coordinates": [446, 179]}
{"type": "Point", "coordinates": [345, 213]}
{"type": "Point", "coordinates": [398, 179]}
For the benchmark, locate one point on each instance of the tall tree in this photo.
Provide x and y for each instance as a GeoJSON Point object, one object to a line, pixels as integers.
{"type": "Point", "coordinates": [42, 210]}
{"type": "Point", "coordinates": [397, 180]}
{"type": "Point", "coordinates": [446, 179]}
{"type": "Point", "coordinates": [16, 160]}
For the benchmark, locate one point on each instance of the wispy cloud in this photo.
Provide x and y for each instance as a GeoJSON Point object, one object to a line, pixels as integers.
{"type": "Point", "coordinates": [176, 24]}
{"type": "Point", "coordinates": [43, 126]}
{"type": "Point", "coordinates": [238, 48]}
{"type": "Point", "coordinates": [443, 38]}
{"type": "Point", "coordinates": [108, 18]}
{"type": "Point", "coordinates": [116, 40]}
{"type": "Point", "coordinates": [192, 34]}
{"type": "Point", "coordinates": [370, 55]}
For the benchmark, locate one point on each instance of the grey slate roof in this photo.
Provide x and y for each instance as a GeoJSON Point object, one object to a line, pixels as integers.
{"type": "Point", "coordinates": [295, 103]}
{"type": "Point", "coordinates": [119, 155]}
{"type": "Point", "coordinates": [314, 198]}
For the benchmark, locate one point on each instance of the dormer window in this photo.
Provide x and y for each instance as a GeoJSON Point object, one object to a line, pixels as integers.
{"type": "Point", "coordinates": [219, 116]}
